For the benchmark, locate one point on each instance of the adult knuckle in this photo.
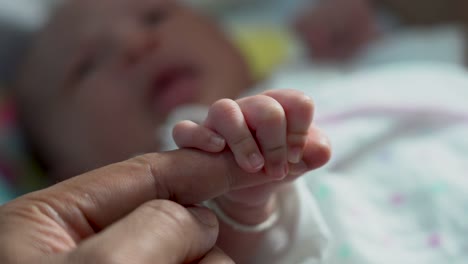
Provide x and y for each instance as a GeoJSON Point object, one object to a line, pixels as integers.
{"type": "Point", "coordinates": [144, 167]}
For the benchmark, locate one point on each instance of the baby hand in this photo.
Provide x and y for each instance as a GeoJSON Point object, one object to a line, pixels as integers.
{"type": "Point", "coordinates": [337, 29]}
{"type": "Point", "coordinates": [263, 131]}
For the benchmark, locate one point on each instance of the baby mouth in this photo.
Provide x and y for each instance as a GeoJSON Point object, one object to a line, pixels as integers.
{"type": "Point", "coordinates": [174, 87]}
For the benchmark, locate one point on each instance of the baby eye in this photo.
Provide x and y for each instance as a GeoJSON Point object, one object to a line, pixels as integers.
{"type": "Point", "coordinates": [84, 68]}
{"type": "Point", "coordinates": [153, 17]}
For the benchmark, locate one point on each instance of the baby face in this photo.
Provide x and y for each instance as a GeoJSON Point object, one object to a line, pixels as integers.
{"type": "Point", "coordinates": [112, 70]}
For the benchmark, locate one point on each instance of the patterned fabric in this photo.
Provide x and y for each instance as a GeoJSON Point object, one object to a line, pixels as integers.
{"type": "Point", "coordinates": [396, 188]}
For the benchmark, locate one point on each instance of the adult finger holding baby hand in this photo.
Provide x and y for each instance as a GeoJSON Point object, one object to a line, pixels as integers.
{"type": "Point", "coordinates": [128, 212]}
{"type": "Point", "coordinates": [267, 131]}
{"type": "Point", "coordinates": [276, 128]}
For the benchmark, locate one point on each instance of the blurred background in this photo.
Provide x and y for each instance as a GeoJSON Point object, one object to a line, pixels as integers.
{"type": "Point", "coordinates": [371, 32]}
{"type": "Point", "coordinates": [342, 35]}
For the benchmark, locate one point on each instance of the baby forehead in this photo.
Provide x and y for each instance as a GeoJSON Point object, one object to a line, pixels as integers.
{"type": "Point", "coordinates": [122, 6]}
{"type": "Point", "coordinates": [81, 22]}
{"type": "Point", "coordinates": [93, 15]}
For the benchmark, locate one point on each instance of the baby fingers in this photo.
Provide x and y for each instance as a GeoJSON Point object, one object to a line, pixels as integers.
{"type": "Point", "coordinates": [299, 111]}
{"type": "Point", "coordinates": [226, 118]}
{"type": "Point", "coordinates": [266, 117]}
{"type": "Point", "coordinates": [188, 134]}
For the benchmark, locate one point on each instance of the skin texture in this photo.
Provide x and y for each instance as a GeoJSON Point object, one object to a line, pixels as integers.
{"type": "Point", "coordinates": [131, 212]}
{"type": "Point", "coordinates": [274, 126]}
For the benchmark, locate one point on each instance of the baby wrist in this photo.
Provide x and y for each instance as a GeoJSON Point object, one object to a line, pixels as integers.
{"type": "Point", "coordinates": [245, 218]}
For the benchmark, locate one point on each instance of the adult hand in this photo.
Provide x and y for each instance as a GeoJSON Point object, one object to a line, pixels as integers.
{"type": "Point", "coordinates": [131, 212]}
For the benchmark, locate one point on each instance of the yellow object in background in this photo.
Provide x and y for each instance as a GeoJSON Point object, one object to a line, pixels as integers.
{"type": "Point", "coordinates": [265, 48]}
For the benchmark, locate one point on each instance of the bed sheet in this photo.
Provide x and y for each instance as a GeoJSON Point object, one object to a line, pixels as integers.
{"type": "Point", "coordinates": [396, 189]}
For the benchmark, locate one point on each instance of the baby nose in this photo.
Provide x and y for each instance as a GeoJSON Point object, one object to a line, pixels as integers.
{"type": "Point", "coordinates": [132, 43]}
{"type": "Point", "coordinates": [139, 46]}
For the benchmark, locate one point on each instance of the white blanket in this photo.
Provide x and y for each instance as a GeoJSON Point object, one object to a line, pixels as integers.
{"type": "Point", "coordinates": [396, 190]}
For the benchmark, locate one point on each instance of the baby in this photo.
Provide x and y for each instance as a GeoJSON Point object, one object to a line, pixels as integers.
{"type": "Point", "coordinates": [109, 73]}
{"type": "Point", "coordinates": [103, 76]}
{"type": "Point", "coordinates": [109, 83]}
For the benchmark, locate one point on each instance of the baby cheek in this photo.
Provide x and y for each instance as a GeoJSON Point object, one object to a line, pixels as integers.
{"type": "Point", "coordinates": [127, 139]}
{"type": "Point", "coordinates": [121, 133]}
{"type": "Point", "coordinates": [138, 48]}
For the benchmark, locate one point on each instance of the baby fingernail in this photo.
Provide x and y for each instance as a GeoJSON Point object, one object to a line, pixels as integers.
{"type": "Point", "coordinates": [295, 155]}
{"type": "Point", "coordinates": [280, 172]}
{"type": "Point", "coordinates": [256, 161]}
{"type": "Point", "coordinates": [299, 168]}
{"type": "Point", "coordinates": [217, 141]}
